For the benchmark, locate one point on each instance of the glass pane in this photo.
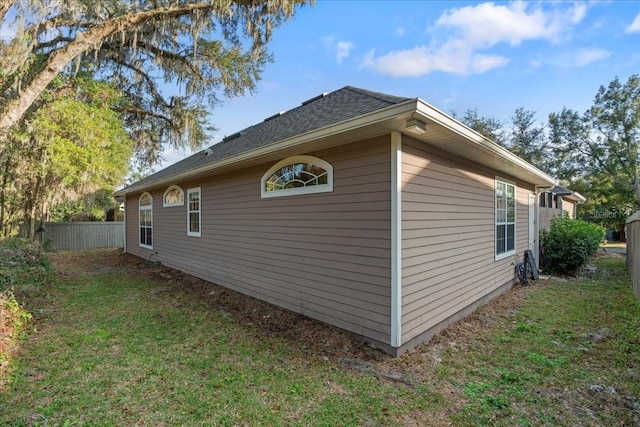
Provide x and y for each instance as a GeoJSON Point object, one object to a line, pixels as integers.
{"type": "Point", "coordinates": [149, 236]}
{"type": "Point", "coordinates": [501, 216]}
{"type": "Point", "coordinates": [194, 222]}
{"type": "Point", "coordinates": [511, 237]}
{"type": "Point", "coordinates": [174, 196]}
{"type": "Point", "coordinates": [511, 191]}
{"type": "Point", "coordinates": [296, 175]}
{"type": "Point", "coordinates": [145, 200]}
{"type": "Point", "coordinates": [500, 239]}
{"type": "Point", "coordinates": [142, 235]}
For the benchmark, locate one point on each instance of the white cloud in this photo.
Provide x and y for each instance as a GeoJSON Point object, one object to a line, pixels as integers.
{"type": "Point", "coordinates": [635, 26]}
{"type": "Point", "coordinates": [341, 48]}
{"type": "Point", "coordinates": [475, 29]}
{"type": "Point", "coordinates": [587, 56]}
{"type": "Point", "coordinates": [423, 60]}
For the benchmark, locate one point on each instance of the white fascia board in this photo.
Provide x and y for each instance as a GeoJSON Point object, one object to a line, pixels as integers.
{"type": "Point", "coordinates": [432, 113]}
{"type": "Point", "coordinates": [377, 116]}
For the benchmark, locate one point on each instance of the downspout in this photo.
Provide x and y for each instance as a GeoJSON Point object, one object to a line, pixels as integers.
{"type": "Point", "coordinates": [396, 240]}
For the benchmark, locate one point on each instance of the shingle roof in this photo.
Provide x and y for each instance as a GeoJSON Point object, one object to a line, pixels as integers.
{"type": "Point", "coordinates": [343, 104]}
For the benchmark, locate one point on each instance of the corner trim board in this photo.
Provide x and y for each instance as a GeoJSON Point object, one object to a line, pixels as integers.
{"type": "Point", "coordinates": [396, 239]}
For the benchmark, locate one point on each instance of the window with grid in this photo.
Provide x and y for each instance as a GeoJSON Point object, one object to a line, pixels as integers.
{"type": "Point", "coordinates": [193, 212]}
{"type": "Point", "coordinates": [505, 219]}
{"type": "Point", "coordinates": [145, 210]}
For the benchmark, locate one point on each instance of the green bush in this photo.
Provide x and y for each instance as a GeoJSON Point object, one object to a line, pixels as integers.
{"type": "Point", "coordinates": [23, 266]}
{"type": "Point", "coordinates": [569, 243]}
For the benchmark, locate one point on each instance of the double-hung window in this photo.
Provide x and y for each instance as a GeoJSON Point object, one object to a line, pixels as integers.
{"type": "Point", "coordinates": [193, 212]}
{"type": "Point", "coordinates": [505, 219]}
{"type": "Point", "coordinates": [145, 211]}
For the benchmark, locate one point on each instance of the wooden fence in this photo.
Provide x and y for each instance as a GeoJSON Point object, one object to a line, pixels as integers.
{"type": "Point", "coordinates": [633, 251]}
{"type": "Point", "coordinates": [84, 235]}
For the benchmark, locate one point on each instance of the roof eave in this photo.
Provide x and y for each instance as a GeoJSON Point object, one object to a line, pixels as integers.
{"type": "Point", "coordinates": [393, 111]}
{"type": "Point", "coordinates": [533, 174]}
{"type": "Point", "coordinates": [409, 108]}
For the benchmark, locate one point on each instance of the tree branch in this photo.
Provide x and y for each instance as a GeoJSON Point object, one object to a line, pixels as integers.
{"type": "Point", "coordinates": [5, 5]}
{"type": "Point", "coordinates": [15, 109]}
{"type": "Point", "coordinates": [150, 84]}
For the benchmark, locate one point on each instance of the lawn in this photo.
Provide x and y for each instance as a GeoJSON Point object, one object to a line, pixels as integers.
{"type": "Point", "coordinates": [115, 341]}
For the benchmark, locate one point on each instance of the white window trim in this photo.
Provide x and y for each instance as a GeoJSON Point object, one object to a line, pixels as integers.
{"type": "Point", "coordinates": [164, 197]}
{"type": "Point", "coordinates": [323, 188]}
{"type": "Point", "coordinates": [146, 207]}
{"type": "Point", "coordinates": [495, 219]}
{"type": "Point", "coordinates": [189, 232]}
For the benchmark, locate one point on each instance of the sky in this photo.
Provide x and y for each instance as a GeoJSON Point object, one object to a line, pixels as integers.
{"type": "Point", "coordinates": [489, 56]}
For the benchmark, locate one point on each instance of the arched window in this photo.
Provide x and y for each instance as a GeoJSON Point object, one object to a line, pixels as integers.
{"type": "Point", "coordinates": [145, 209]}
{"type": "Point", "coordinates": [297, 175]}
{"type": "Point", "coordinates": [174, 196]}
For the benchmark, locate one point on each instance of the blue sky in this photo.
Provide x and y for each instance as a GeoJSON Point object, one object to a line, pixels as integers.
{"type": "Point", "coordinates": [491, 56]}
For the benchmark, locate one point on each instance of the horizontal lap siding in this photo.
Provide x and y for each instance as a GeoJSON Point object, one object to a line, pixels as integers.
{"type": "Point", "coordinates": [323, 255]}
{"type": "Point", "coordinates": [448, 236]}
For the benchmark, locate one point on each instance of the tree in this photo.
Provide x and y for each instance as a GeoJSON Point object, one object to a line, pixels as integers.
{"type": "Point", "coordinates": [526, 139]}
{"type": "Point", "coordinates": [488, 127]}
{"type": "Point", "coordinates": [204, 48]}
{"type": "Point", "coordinates": [74, 144]}
{"type": "Point", "coordinates": [605, 140]}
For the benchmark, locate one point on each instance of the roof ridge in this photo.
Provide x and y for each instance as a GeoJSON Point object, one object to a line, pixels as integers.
{"type": "Point", "coordinates": [377, 95]}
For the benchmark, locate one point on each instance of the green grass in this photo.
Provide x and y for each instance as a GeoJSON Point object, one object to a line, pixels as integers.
{"type": "Point", "coordinates": [571, 356]}
{"type": "Point", "coordinates": [115, 348]}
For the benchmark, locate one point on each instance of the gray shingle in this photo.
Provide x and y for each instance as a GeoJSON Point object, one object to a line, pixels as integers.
{"type": "Point", "coordinates": [343, 104]}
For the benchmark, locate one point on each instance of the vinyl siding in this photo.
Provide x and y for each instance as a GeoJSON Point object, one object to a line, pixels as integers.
{"type": "Point", "coordinates": [323, 255]}
{"type": "Point", "coordinates": [448, 223]}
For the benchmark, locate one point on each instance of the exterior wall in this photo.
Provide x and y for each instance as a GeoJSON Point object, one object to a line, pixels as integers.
{"type": "Point", "coordinates": [324, 255]}
{"type": "Point", "coordinates": [567, 208]}
{"type": "Point", "coordinates": [448, 238]}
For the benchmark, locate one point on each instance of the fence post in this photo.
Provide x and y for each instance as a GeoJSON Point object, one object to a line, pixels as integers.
{"type": "Point", "coordinates": [633, 251]}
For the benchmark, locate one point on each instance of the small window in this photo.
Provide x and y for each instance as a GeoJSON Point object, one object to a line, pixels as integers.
{"type": "Point", "coordinates": [174, 196]}
{"type": "Point", "coordinates": [145, 211]}
{"type": "Point", "coordinates": [505, 219]}
{"type": "Point", "coordinates": [297, 175]}
{"type": "Point", "coordinates": [193, 212]}
{"type": "Point", "coordinates": [543, 198]}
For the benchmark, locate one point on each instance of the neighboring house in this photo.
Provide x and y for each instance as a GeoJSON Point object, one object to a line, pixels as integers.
{"type": "Point", "coordinates": [558, 202]}
{"type": "Point", "coordinates": [377, 214]}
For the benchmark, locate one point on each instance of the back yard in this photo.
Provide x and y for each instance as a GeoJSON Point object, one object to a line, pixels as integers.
{"type": "Point", "coordinates": [117, 341]}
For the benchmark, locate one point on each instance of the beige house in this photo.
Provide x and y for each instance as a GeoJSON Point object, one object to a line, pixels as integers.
{"type": "Point", "coordinates": [377, 214]}
{"type": "Point", "coordinates": [558, 202]}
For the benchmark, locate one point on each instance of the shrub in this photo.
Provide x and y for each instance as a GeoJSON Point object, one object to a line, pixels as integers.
{"type": "Point", "coordinates": [23, 266]}
{"type": "Point", "coordinates": [569, 243]}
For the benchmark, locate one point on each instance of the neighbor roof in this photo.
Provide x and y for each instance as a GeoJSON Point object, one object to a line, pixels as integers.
{"type": "Point", "coordinates": [568, 194]}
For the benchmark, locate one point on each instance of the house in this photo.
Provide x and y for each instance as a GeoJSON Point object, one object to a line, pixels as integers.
{"type": "Point", "coordinates": [558, 202]}
{"type": "Point", "coordinates": [377, 214]}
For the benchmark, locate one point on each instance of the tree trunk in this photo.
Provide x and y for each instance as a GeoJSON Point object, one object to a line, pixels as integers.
{"type": "Point", "coordinates": [16, 108]}
{"type": "Point", "coordinates": [5, 179]}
